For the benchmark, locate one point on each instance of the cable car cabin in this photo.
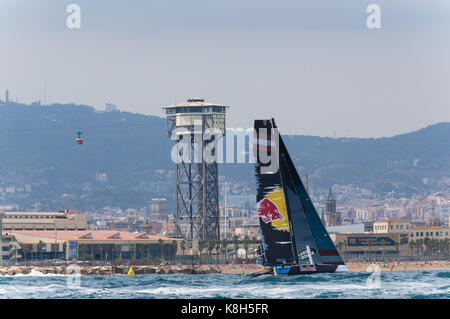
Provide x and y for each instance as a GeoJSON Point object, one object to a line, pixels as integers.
{"type": "Point", "coordinates": [79, 138]}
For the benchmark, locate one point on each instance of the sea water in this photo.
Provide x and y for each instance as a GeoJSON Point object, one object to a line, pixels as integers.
{"type": "Point", "coordinates": [395, 284]}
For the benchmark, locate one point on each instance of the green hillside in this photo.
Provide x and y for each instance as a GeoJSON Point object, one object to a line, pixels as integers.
{"type": "Point", "coordinates": [41, 163]}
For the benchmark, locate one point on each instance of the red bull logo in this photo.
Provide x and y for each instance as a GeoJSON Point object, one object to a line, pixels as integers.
{"type": "Point", "coordinates": [269, 211]}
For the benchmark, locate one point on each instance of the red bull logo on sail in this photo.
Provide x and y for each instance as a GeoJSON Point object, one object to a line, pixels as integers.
{"type": "Point", "coordinates": [269, 211]}
{"type": "Point", "coordinates": [272, 209]}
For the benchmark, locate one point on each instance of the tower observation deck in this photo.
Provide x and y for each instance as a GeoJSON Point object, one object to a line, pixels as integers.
{"type": "Point", "coordinates": [193, 126]}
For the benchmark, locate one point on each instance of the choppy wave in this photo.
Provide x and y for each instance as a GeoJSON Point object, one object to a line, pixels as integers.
{"type": "Point", "coordinates": [398, 284]}
{"type": "Point", "coordinates": [33, 273]}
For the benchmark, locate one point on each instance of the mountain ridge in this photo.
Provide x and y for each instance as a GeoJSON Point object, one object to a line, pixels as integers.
{"type": "Point", "coordinates": [133, 150]}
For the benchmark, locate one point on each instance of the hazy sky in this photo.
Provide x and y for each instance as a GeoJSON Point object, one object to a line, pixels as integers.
{"type": "Point", "coordinates": [313, 65]}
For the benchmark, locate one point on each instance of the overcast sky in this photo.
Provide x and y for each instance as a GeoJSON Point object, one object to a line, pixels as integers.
{"type": "Point", "coordinates": [312, 65]}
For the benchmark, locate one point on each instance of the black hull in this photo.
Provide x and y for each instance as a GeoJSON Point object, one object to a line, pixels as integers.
{"type": "Point", "coordinates": [305, 269]}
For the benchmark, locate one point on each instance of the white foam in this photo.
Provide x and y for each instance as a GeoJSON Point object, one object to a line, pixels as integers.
{"type": "Point", "coordinates": [34, 273]}
{"type": "Point", "coordinates": [342, 268]}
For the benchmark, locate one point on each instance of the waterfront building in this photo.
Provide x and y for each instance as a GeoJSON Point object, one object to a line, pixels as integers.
{"type": "Point", "coordinates": [93, 245]}
{"type": "Point", "coordinates": [434, 221]}
{"type": "Point", "coordinates": [370, 245]}
{"type": "Point", "coordinates": [158, 209]}
{"type": "Point", "coordinates": [165, 228]}
{"type": "Point", "coordinates": [251, 230]}
{"type": "Point", "coordinates": [8, 248]}
{"type": "Point", "coordinates": [391, 226]}
{"type": "Point", "coordinates": [61, 220]}
{"type": "Point", "coordinates": [351, 228]}
{"type": "Point", "coordinates": [431, 232]}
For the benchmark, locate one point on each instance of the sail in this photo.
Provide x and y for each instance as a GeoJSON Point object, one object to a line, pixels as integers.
{"type": "Point", "coordinates": [326, 252]}
{"type": "Point", "coordinates": [292, 231]}
{"type": "Point", "coordinates": [303, 238]}
{"type": "Point", "coordinates": [272, 211]}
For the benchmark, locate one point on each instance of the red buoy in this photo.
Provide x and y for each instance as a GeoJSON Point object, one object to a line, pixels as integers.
{"type": "Point", "coordinates": [79, 138]}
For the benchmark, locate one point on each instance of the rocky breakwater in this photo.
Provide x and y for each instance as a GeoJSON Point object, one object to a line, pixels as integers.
{"type": "Point", "coordinates": [27, 270]}
{"type": "Point", "coordinates": [162, 270]}
{"type": "Point", "coordinates": [106, 270]}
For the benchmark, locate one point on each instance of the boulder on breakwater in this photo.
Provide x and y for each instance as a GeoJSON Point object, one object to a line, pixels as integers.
{"type": "Point", "coordinates": [109, 270]}
{"type": "Point", "coordinates": [160, 271]}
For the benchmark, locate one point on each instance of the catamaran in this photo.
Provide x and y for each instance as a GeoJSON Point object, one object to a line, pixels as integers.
{"type": "Point", "coordinates": [294, 239]}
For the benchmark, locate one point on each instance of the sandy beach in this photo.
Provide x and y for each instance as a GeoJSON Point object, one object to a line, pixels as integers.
{"type": "Point", "coordinates": [403, 265]}
{"type": "Point", "coordinates": [353, 266]}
